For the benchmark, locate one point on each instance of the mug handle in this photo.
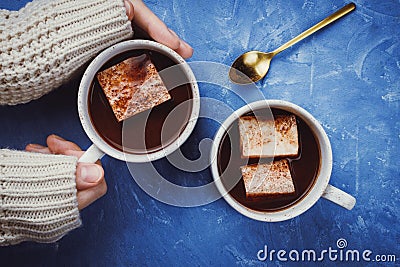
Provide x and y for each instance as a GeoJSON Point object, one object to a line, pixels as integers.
{"type": "Point", "coordinates": [339, 197]}
{"type": "Point", "coordinates": [91, 155]}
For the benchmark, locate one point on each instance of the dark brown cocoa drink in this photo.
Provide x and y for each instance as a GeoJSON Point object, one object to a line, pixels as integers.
{"type": "Point", "coordinates": [304, 168]}
{"type": "Point", "coordinates": [150, 130]}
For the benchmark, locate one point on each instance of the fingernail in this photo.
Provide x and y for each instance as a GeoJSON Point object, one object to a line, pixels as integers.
{"type": "Point", "coordinates": [129, 9]}
{"type": "Point", "coordinates": [173, 33]}
{"type": "Point", "coordinates": [188, 46]}
{"type": "Point", "coordinates": [36, 146]}
{"type": "Point", "coordinates": [185, 49]}
{"type": "Point", "coordinates": [91, 173]}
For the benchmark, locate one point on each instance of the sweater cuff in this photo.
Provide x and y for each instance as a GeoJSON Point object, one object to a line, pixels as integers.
{"type": "Point", "coordinates": [37, 197]}
{"type": "Point", "coordinates": [86, 27]}
{"type": "Point", "coordinates": [43, 44]}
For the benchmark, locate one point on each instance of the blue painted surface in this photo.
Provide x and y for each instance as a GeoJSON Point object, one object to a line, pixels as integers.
{"type": "Point", "coordinates": [347, 76]}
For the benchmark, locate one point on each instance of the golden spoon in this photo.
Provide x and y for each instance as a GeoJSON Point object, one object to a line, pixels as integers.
{"type": "Point", "coordinates": [253, 66]}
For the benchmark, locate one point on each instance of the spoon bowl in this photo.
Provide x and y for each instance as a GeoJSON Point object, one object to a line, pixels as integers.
{"type": "Point", "coordinates": [250, 67]}
{"type": "Point", "coordinates": [253, 66]}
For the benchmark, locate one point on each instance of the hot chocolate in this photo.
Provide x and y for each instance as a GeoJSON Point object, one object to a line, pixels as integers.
{"type": "Point", "coordinates": [149, 130]}
{"type": "Point", "coordinates": [304, 167]}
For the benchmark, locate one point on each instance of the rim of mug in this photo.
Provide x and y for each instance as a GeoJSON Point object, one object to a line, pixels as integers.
{"type": "Point", "coordinates": [319, 185]}
{"type": "Point", "coordinates": [86, 83]}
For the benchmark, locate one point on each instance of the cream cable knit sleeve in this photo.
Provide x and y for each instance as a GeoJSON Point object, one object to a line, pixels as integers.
{"type": "Point", "coordinates": [42, 44]}
{"type": "Point", "coordinates": [37, 197]}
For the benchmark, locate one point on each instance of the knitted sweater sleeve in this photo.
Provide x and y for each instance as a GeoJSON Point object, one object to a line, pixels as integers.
{"type": "Point", "coordinates": [37, 197]}
{"type": "Point", "coordinates": [42, 44]}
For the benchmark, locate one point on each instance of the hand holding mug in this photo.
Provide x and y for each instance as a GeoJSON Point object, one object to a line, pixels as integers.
{"type": "Point", "coordinates": [144, 18]}
{"type": "Point", "coordinates": [90, 181]}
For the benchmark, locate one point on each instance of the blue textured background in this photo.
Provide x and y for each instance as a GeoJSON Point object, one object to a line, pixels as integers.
{"type": "Point", "coordinates": [347, 76]}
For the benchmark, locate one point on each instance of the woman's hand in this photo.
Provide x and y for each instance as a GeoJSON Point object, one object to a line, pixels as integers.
{"type": "Point", "coordinates": [144, 18]}
{"type": "Point", "coordinates": [90, 181]}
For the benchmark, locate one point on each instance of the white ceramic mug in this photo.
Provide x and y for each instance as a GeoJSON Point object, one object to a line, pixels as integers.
{"type": "Point", "coordinates": [100, 147]}
{"type": "Point", "coordinates": [320, 187]}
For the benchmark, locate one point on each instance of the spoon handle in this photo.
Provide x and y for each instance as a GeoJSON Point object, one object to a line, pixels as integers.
{"type": "Point", "coordinates": [338, 14]}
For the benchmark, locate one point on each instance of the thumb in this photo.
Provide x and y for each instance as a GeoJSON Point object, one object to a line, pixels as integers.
{"type": "Point", "coordinates": [129, 9]}
{"type": "Point", "coordinates": [88, 175]}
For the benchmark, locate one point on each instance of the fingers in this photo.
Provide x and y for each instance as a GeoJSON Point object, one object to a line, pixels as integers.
{"type": "Point", "coordinates": [88, 196]}
{"type": "Point", "coordinates": [157, 30]}
{"type": "Point", "coordinates": [90, 181]}
{"type": "Point", "coordinates": [37, 148]}
{"type": "Point", "coordinates": [160, 32]}
{"type": "Point", "coordinates": [58, 145]}
{"type": "Point", "coordinates": [149, 22]}
{"type": "Point", "coordinates": [184, 49]}
{"type": "Point", "coordinates": [74, 153]}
